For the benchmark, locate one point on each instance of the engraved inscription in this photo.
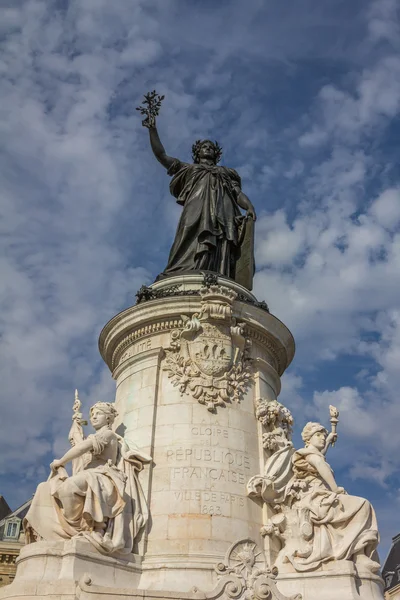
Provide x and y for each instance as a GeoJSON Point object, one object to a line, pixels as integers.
{"type": "Point", "coordinates": [208, 473]}
{"type": "Point", "coordinates": [136, 349]}
{"type": "Point", "coordinates": [206, 496]}
{"type": "Point", "coordinates": [209, 430]}
{"type": "Point", "coordinates": [210, 466]}
{"type": "Point", "coordinates": [215, 455]}
{"type": "Point", "coordinates": [141, 347]}
{"type": "Point", "coordinates": [211, 503]}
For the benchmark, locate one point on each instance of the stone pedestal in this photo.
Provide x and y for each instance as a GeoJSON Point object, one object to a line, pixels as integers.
{"type": "Point", "coordinates": [191, 362]}
{"type": "Point", "coordinates": [52, 570]}
{"type": "Point", "coordinates": [339, 579]}
{"type": "Point", "coordinates": [186, 397]}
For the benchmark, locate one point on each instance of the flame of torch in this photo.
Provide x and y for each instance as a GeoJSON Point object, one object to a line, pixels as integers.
{"type": "Point", "coordinates": [334, 413]}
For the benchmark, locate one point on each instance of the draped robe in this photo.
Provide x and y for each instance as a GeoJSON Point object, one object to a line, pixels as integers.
{"type": "Point", "coordinates": [211, 225]}
{"type": "Point", "coordinates": [103, 491]}
{"type": "Point", "coordinates": [342, 525]}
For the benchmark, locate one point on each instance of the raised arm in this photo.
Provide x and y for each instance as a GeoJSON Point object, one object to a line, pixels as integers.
{"type": "Point", "coordinates": [156, 145]}
{"type": "Point", "coordinates": [331, 439]}
{"type": "Point", "coordinates": [158, 149]}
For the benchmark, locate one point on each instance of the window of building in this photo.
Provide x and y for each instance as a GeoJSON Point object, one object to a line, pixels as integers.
{"type": "Point", "coordinates": [388, 579]}
{"type": "Point", "coordinates": [12, 528]}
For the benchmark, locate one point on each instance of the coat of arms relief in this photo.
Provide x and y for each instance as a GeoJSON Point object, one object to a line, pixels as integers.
{"type": "Point", "coordinates": [209, 357]}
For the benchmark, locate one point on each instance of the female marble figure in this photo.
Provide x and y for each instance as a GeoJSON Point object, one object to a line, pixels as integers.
{"type": "Point", "coordinates": [103, 501]}
{"type": "Point", "coordinates": [334, 525]}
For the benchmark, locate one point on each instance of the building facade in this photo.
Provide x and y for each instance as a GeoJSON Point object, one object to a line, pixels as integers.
{"type": "Point", "coordinates": [391, 571]}
{"type": "Point", "coordinates": [11, 539]}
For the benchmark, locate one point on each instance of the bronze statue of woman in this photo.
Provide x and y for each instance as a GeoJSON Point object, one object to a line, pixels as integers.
{"type": "Point", "coordinates": [211, 227]}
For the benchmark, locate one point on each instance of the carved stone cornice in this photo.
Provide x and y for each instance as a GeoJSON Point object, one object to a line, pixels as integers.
{"type": "Point", "coordinates": [141, 332]}
{"type": "Point", "coordinates": [164, 314]}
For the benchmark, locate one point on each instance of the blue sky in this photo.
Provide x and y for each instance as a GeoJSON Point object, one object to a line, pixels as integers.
{"type": "Point", "coordinates": [304, 97]}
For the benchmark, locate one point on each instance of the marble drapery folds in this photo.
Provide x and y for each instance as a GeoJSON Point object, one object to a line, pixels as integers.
{"type": "Point", "coordinates": [310, 517]}
{"type": "Point", "coordinates": [343, 526]}
{"type": "Point", "coordinates": [102, 492]}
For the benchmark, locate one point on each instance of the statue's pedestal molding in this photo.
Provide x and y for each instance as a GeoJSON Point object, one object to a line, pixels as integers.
{"type": "Point", "coordinates": [52, 570]}
{"type": "Point", "coordinates": [335, 580]}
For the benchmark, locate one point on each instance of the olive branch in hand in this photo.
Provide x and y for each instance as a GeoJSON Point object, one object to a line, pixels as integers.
{"type": "Point", "coordinates": [150, 108]}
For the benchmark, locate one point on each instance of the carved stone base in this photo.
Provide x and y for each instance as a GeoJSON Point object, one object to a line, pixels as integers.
{"type": "Point", "coordinates": [72, 571]}
{"type": "Point", "coordinates": [52, 570]}
{"type": "Point", "coordinates": [336, 580]}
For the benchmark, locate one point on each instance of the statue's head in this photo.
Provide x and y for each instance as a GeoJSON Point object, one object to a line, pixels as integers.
{"type": "Point", "coordinates": [206, 149]}
{"type": "Point", "coordinates": [314, 434]}
{"type": "Point", "coordinates": [102, 413]}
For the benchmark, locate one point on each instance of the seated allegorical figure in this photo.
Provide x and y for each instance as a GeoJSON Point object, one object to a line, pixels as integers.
{"type": "Point", "coordinates": [335, 526]}
{"type": "Point", "coordinates": [102, 501]}
{"type": "Point", "coordinates": [313, 520]}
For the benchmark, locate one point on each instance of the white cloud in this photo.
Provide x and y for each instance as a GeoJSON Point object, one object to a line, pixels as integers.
{"type": "Point", "coordinates": [386, 208]}
{"type": "Point", "coordinates": [278, 244]}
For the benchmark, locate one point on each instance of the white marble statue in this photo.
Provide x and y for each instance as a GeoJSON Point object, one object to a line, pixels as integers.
{"type": "Point", "coordinates": [103, 501]}
{"type": "Point", "coordinates": [313, 518]}
{"type": "Point", "coordinates": [278, 442]}
{"type": "Point", "coordinates": [336, 525]}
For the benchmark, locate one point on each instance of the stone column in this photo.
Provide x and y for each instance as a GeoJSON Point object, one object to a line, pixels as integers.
{"type": "Point", "coordinates": [189, 362]}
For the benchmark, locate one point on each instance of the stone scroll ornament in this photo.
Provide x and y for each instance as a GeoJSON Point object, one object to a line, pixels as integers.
{"type": "Point", "coordinates": [209, 358]}
{"type": "Point", "coordinates": [244, 575]}
{"type": "Point", "coordinates": [311, 520]}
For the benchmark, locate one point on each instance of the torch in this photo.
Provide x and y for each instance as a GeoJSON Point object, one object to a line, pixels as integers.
{"type": "Point", "coordinates": [334, 413]}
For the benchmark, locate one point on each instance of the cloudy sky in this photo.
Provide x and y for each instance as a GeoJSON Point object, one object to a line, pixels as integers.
{"type": "Point", "coordinates": [304, 96]}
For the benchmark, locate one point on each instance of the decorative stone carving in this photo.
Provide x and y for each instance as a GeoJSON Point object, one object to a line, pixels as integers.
{"type": "Point", "coordinates": [147, 293]}
{"type": "Point", "coordinates": [125, 350]}
{"type": "Point", "coordinates": [103, 500]}
{"type": "Point", "coordinates": [209, 358]}
{"type": "Point", "coordinates": [313, 520]}
{"type": "Point", "coordinates": [244, 575]}
{"type": "Point", "coordinates": [277, 442]}
{"type": "Point", "coordinates": [278, 419]}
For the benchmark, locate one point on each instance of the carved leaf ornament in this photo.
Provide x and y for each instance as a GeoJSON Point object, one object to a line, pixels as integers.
{"type": "Point", "coordinates": [209, 358]}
